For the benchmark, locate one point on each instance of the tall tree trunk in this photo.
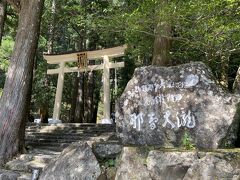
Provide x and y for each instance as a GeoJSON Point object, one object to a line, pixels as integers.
{"type": "Point", "coordinates": [224, 70]}
{"type": "Point", "coordinates": [52, 27]}
{"type": "Point", "coordinates": [162, 43]}
{"type": "Point", "coordinates": [96, 97]}
{"type": "Point", "coordinates": [14, 99]}
{"type": "Point", "coordinates": [79, 111]}
{"type": "Point", "coordinates": [77, 108]}
{"type": "Point", "coordinates": [236, 84]}
{"type": "Point", "coordinates": [3, 5]}
{"type": "Point", "coordinates": [25, 117]}
{"type": "Point", "coordinates": [88, 105]}
{"type": "Point", "coordinates": [161, 49]}
{"type": "Point", "coordinates": [74, 97]}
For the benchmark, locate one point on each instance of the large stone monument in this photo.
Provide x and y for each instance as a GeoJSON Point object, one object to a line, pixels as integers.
{"type": "Point", "coordinates": [162, 105]}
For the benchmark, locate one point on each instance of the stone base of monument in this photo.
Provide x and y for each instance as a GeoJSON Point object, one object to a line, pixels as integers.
{"type": "Point", "coordinates": [37, 121]}
{"type": "Point", "coordinates": [106, 121]}
{"type": "Point", "coordinates": [163, 106]}
{"type": "Point", "coordinates": [50, 121]}
{"type": "Point", "coordinates": [54, 121]}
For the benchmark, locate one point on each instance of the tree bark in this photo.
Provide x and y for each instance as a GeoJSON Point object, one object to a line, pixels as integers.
{"type": "Point", "coordinates": [16, 4]}
{"type": "Point", "coordinates": [236, 84]}
{"type": "Point", "coordinates": [88, 105]}
{"type": "Point", "coordinates": [224, 70]}
{"type": "Point", "coordinates": [43, 111]}
{"type": "Point", "coordinates": [14, 99]}
{"type": "Point", "coordinates": [3, 5]}
{"type": "Point", "coordinates": [25, 117]}
{"type": "Point", "coordinates": [96, 97]}
{"type": "Point", "coordinates": [52, 27]}
{"type": "Point", "coordinates": [74, 97]}
{"type": "Point", "coordinates": [79, 111]}
{"type": "Point", "coordinates": [162, 43]}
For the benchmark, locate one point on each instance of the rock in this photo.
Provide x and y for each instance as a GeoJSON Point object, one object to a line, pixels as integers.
{"type": "Point", "coordinates": [25, 165]}
{"type": "Point", "coordinates": [188, 165]}
{"type": "Point", "coordinates": [132, 165]}
{"type": "Point", "coordinates": [144, 163]}
{"type": "Point", "coordinates": [169, 165]}
{"type": "Point", "coordinates": [236, 84]}
{"type": "Point", "coordinates": [25, 176]}
{"type": "Point", "coordinates": [8, 175]}
{"type": "Point", "coordinates": [214, 166]}
{"type": "Point", "coordinates": [163, 105]}
{"type": "Point", "coordinates": [106, 149]}
{"type": "Point", "coordinates": [76, 162]}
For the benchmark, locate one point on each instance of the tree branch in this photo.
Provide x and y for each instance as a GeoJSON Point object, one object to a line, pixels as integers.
{"type": "Point", "coordinates": [15, 4]}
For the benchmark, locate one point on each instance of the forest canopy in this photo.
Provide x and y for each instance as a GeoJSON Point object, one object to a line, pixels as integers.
{"type": "Point", "coordinates": [157, 32]}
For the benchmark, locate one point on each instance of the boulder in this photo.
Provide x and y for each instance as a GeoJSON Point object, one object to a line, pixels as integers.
{"type": "Point", "coordinates": [132, 165]}
{"type": "Point", "coordinates": [214, 166]}
{"type": "Point", "coordinates": [8, 175]}
{"type": "Point", "coordinates": [173, 164]}
{"type": "Point", "coordinates": [164, 165]}
{"type": "Point", "coordinates": [170, 165]}
{"type": "Point", "coordinates": [106, 149]}
{"type": "Point", "coordinates": [76, 162]}
{"type": "Point", "coordinates": [164, 105]}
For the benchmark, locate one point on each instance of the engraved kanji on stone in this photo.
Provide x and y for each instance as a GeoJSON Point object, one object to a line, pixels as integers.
{"type": "Point", "coordinates": [166, 117]}
{"type": "Point", "coordinates": [136, 121]}
{"type": "Point", "coordinates": [186, 119]}
{"type": "Point", "coordinates": [152, 120]}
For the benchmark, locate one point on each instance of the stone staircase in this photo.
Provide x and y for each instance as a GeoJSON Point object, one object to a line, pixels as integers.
{"type": "Point", "coordinates": [45, 142]}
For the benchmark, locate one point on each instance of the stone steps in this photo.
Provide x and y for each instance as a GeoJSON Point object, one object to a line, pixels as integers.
{"type": "Point", "coordinates": [44, 145]}
{"type": "Point", "coordinates": [63, 134]}
{"type": "Point", "coordinates": [45, 142]}
{"type": "Point", "coordinates": [67, 130]}
{"type": "Point", "coordinates": [60, 136]}
{"type": "Point", "coordinates": [68, 126]}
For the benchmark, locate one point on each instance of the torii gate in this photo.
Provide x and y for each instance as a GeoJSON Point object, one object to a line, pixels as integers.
{"type": "Point", "coordinates": [81, 58]}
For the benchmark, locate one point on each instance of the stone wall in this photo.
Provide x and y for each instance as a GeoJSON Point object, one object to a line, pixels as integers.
{"type": "Point", "coordinates": [143, 163]}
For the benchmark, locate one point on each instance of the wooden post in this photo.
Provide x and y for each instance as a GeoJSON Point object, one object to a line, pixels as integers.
{"type": "Point", "coordinates": [58, 97]}
{"type": "Point", "coordinates": [106, 88]}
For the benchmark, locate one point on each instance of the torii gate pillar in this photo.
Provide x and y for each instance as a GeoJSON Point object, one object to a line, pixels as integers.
{"type": "Point", "coordinates": [58, 96]}
{"type": "Point", "coordinates": [106, 88]}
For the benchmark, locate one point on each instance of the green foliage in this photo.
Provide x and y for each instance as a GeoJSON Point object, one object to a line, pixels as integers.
{"type": "Point", "coordinates": [44, 88]}
{"type": "Point", "coordinates": [202, 30]}
{"type": "Point", "coordinates": [110, 163]}
{"type": "Point", "coordinates": [5, 53]}
{"type": "Point", "coordinates": [186, 142]}
{"type": "Point", "coordinates": [75, 29]}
